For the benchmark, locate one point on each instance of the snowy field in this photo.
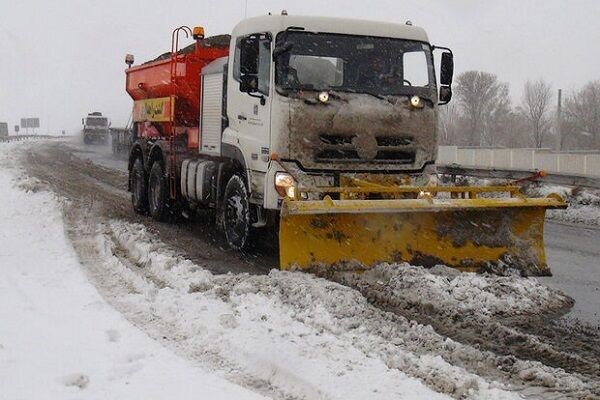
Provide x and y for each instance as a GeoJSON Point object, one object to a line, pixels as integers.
{"type": "Point", "coordinates": [102, 308]}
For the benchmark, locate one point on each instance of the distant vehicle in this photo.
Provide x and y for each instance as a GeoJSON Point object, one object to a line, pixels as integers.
{"type": "Point", "coordinates": [95, 128]}
{"type": "Point", "coordinates": [3, 129]}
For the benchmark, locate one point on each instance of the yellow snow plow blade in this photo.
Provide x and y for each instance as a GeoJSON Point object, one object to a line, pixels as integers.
{"type": "Point", "coordinates": [462, 230]}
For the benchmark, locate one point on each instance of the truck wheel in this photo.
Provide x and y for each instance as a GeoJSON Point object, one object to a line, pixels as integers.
{"type": "Point", "coordinates": [158, 196]}
{"type": "Point", "coordinates": [139, 187]}
{"type": "Point", "coordinates": [236, 214]}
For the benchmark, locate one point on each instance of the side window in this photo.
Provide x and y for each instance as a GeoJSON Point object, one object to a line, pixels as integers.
{"type": "Point", "coordinates": [236, 60]}
{"type": "Point", "coordinates": [252, 63]}
{"type": "Point", "coordinates": [264, 64]}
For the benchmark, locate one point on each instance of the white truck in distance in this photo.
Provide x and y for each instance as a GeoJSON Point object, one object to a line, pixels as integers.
{"type": "Point", "coordinates": [95, 128]}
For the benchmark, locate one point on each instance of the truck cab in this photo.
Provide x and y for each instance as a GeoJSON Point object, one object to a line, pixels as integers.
{"type": "Point", "coordinates": [317, 101]}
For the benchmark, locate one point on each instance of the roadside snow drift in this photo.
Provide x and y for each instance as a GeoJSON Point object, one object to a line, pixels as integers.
{"type": "Point", "coordinates": [58, 338]}
{"type": "Point", "coordinates": [312, 338]}
{"type": "Point", "coordinates": [584, 204]}
{"type": "Point", "coordinates": [444, 288]}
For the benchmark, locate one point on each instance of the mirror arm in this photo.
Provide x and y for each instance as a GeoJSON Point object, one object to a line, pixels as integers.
{"type": "Point", "coordinates": [433, 48]}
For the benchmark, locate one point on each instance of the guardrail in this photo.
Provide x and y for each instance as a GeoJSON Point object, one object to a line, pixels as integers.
{"type": "Point", "coordinates": [483, 172]}
{"type": "Point", "coordinates": [16, 138]}
{"type": "Point", "coordinates": [585, 164]}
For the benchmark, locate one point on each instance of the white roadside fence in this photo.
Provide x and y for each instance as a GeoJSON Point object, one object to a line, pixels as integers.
{"type": "Point", "coordinates": [573, 163]}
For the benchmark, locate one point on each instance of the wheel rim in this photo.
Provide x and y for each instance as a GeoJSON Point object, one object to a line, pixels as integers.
{"type": "Point", "coordinates": [235, 220]}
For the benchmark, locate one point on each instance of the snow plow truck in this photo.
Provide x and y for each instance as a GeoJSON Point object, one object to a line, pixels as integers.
{"type": "Point", "coordinates": [325, 131]}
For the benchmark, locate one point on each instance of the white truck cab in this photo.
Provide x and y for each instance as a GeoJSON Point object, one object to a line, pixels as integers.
{"type": "Point", "coordinates": [315, 101]}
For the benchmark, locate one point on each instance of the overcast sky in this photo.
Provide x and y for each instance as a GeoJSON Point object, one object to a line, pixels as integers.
{"type": "Point", "coordinates": [61, 59]}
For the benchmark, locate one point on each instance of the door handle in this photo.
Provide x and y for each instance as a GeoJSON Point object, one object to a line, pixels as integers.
{"type": "Point", "coordinates": [241, 117]}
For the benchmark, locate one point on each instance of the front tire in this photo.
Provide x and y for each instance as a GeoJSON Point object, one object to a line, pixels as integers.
{"type": "Point", "coordinates": [139, 187]}
{"type": "Point", "coordinates": [158, 196]}
{"type": "Point", "coordinates": [236, 214]}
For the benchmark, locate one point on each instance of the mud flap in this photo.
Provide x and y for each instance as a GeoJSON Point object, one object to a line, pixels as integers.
{"type": "Point", "coordinates": [468, 234]}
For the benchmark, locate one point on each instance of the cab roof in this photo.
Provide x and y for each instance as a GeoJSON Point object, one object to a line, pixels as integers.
{"type": "Point", "coordinates": [278, 23]}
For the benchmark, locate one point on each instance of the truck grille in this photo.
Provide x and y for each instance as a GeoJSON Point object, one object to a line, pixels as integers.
{"type": "Point", "coordinates": [338, 140]}
{"type": "Point", "coordinates": [394, 141]}
{"type": "Point", "coordinates": [390, 149]}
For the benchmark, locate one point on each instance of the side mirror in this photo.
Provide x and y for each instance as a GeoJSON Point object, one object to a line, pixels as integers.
{"type": "Point", "coordinates": [249, 55]}
{"type": "Point", "coordinates": [446, 69]}
{"type": "Point", "coordinates": [445, 94]}
{"type": "Point", "coordinates": [249, 83]}
{"type": "Point", "coordinates": [82, 123]}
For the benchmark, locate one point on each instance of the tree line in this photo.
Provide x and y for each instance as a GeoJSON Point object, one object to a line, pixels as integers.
{"type": "Point", "coordinates": [482, 114]}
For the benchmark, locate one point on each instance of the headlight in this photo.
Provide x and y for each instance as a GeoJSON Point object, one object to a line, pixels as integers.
{"type": "Point", "coordinates": [284, 185]}
{"type": "Point", "coordinates": [323, 97]}
{"type": "Point", "coordinates": [416, 102]}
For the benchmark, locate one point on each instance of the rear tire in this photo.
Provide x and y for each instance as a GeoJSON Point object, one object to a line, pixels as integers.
{"type": "Point", "coordinates": [158, 196]}
{"type": "Point", "coordinates": [139, 187]}
{"type": "Point", "coordinates": [236, 214]}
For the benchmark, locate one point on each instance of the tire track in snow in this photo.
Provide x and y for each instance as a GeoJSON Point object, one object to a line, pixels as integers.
{"type": "Point", "coordinates": [396, 290]}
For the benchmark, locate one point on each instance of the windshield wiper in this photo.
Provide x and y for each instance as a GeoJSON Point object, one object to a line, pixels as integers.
{"type": "Point", "coordinates": [376, 95]}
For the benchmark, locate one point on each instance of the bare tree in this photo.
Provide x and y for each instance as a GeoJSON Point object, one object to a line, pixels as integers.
{"type": "Point", "coordinates": [535, 106]}
{"type": "Point", "coordinates": [449, 124]}
{"type": "Point", "coordinates": [582, 117]}
{"type": "Point", "coordinates": [482, 99]}
{"type": "Point", "coordinates": [509, 130]}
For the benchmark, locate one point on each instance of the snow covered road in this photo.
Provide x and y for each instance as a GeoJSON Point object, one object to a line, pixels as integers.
{"type": "Point", "coordinates": [58, 337]}
{"type": "Point", "coordinates": [125, 312]}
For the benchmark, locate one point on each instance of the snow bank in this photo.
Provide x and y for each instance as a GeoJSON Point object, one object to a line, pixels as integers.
{"type": "Point", "coordinates": [274, 328]}
{"type": "Point", "coordinates": [313, 338]}
{"type": "Point", "coordinates": [58, 337]}
{"type": "Point", "coordinates": [463, 293]}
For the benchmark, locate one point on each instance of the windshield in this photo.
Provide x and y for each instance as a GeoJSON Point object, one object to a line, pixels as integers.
{"type": "Point", "coordinates": [360, 64]}
{"type": "Point", "coordinates": [96, 122]}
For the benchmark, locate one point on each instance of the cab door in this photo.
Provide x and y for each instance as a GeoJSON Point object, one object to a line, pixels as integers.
{"type": "Point", "coordinates": [249, 100]}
